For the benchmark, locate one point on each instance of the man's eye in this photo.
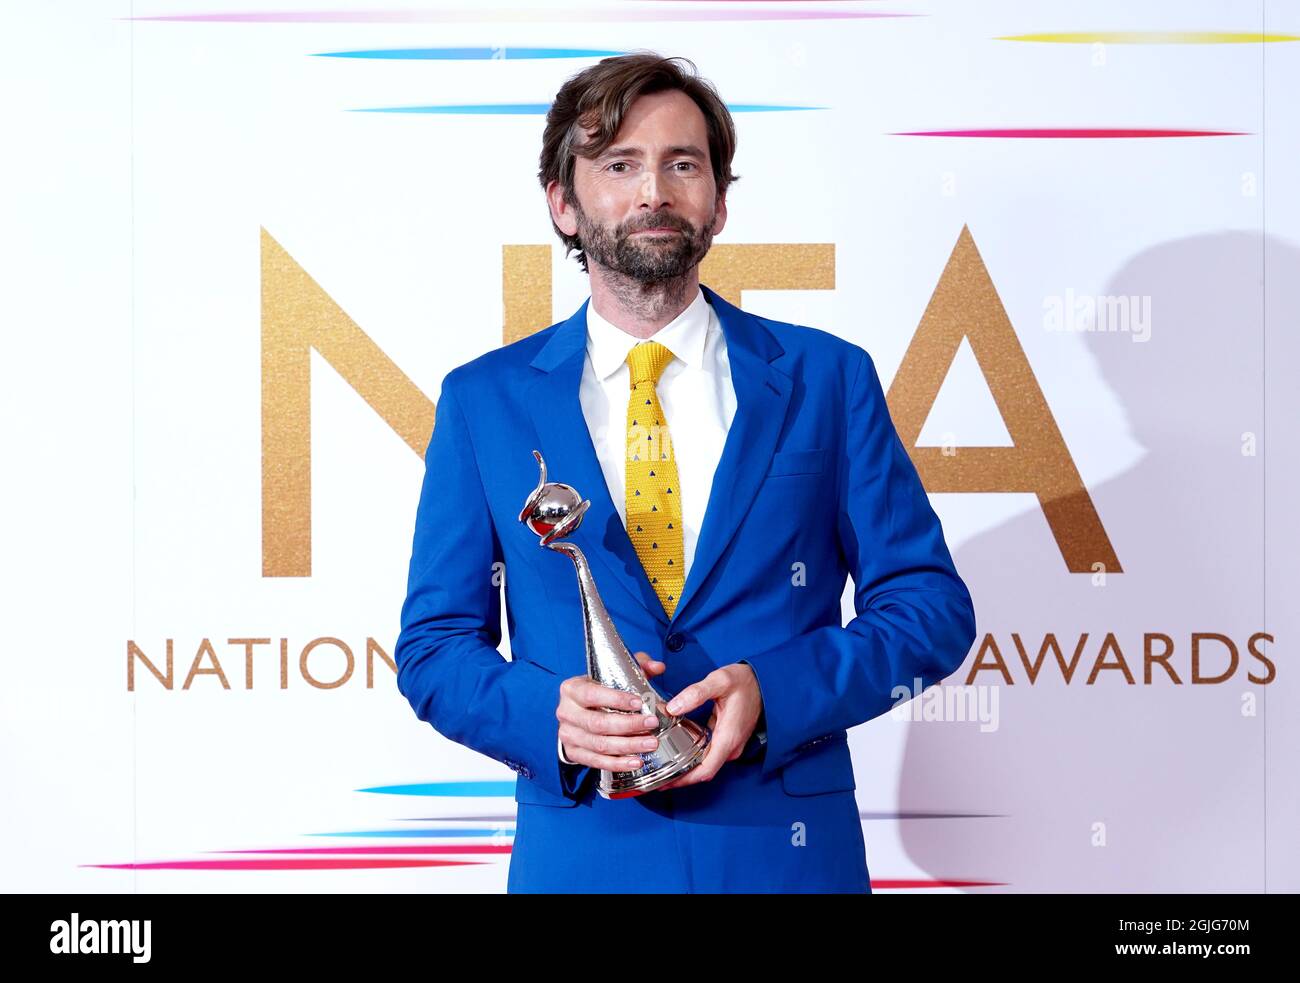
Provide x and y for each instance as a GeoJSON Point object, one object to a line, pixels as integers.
{"type": "Point", "coordinates": [617, 163]}
{"type": "Point", "coordinates": [688, 163]}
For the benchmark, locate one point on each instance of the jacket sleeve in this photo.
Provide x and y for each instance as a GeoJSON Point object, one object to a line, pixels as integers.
{"type": "Point", "coordinates": [915, 618]}
{"type": "Point", "coordinates": [448, 666]}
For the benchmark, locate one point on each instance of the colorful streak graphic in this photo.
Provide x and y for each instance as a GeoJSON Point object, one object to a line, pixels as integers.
{"type": "Point", "coordinates": [1151, 37]}
{"type": "Point", "coordinates": [1058, 133]}
{"type": "Point", "coordinates": [541, 108]}
{"type": "Point", "coordinates": [628, 14]}
{"type": "Point", "coordinates": [289, 863]}
{"type": "Point", "coordinates": [470, 53]}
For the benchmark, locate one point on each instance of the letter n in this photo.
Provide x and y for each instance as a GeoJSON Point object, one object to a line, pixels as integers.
{"type": "Point", "coordinates": [297, 318]}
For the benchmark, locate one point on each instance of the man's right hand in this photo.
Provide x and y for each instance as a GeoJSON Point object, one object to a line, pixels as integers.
{"type": "Point", "coordinates": [593, 736]}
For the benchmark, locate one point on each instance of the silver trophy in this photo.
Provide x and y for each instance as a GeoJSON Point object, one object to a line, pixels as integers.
{"type": "Point", "coordinates": [553, 511]}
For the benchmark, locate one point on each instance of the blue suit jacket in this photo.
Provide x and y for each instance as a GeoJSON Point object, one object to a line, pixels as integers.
{"type": "Point", "coordinates": [813, 485]}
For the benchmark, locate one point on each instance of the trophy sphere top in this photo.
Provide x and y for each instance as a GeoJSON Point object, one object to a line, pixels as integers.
{"type": "Point", "coordinates": [553, 510]}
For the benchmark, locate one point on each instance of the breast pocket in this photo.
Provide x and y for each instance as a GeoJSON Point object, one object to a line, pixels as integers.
{"type": "Point", "coordinates": [797, 462]}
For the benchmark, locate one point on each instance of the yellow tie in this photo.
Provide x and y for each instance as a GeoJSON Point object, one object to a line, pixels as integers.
{"type": "Point", "coordinates": [654, 500]}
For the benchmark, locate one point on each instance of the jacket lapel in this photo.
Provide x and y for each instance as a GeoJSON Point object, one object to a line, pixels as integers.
{"type": "Point", "coordinates": [570, 457]}
{"type": "Point", "coordinates": [762, 398]}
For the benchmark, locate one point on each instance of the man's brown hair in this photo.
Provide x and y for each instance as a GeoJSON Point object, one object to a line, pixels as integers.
{"type": "Point", "coordinates": [597, 99]}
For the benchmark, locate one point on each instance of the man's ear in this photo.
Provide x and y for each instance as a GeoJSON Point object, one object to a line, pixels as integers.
{"type": "Point", "coordinates": [561, 213]}
{"type": "Point", "coordinates": [721, 220]}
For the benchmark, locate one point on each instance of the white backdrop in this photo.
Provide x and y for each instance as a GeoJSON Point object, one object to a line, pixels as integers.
{"type": "Point", "coordinates": [144, 158]}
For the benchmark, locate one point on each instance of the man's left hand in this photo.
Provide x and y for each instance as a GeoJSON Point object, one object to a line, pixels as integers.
{"type": "Point", "coordinates": [737, 704]}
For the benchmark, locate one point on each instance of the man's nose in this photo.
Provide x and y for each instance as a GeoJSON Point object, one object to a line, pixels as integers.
{"type": "Point", "coordinates": [654, 190]}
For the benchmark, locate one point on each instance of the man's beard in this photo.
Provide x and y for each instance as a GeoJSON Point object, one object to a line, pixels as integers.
{"type": "Point", "coordinates": [646, 259]}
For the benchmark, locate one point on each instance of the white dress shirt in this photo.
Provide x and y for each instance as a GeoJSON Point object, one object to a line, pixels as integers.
{"type": "Point", "coordinates": [698, 400]}
{"type": "Point", "coordinates": [695, 391]}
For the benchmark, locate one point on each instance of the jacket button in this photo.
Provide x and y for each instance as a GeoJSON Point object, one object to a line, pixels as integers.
{"type": "Point", "coordinates": [676, 642]}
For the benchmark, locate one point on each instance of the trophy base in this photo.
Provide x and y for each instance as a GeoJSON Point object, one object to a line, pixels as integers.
{"type": "Point", "coordinates": [681, 748]}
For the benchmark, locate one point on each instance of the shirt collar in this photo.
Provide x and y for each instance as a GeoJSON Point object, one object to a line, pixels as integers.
{"type": "Point", "coordinates": [684, 336]}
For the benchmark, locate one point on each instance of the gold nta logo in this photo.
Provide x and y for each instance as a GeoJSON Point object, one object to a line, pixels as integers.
{"type": "Point", "coordinates": [299, 316]}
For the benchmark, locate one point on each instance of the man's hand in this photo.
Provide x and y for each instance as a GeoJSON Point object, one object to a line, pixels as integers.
{"type": "Point", "coordinates": [593, 736]}
{"type": "Point", "coordinates": [737, 704]}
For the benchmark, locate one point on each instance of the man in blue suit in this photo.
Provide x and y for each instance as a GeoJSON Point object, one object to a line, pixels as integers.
{"type": "Point", "coordinates": [721, 558]}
